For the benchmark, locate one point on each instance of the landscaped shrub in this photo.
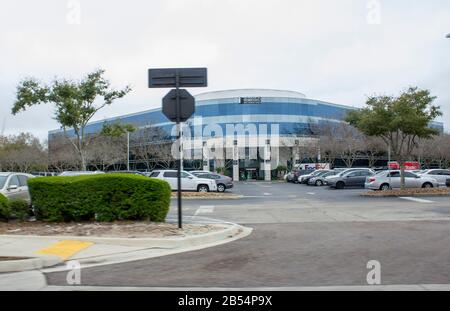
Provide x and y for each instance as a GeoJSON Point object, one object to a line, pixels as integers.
{"type": "Point", "coordinates": [105, 197]}
{"type": "Point", "coordinates": [5, 211]}
{"type": "Point", "coordinates": [20, 209]}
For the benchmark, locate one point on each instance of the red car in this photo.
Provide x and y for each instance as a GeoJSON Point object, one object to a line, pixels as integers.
{"type": "Point", "coordinates": [409, 166]}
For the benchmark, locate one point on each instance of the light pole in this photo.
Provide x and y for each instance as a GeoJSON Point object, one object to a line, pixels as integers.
{"type": "Point", "coordinates": [128, 151]}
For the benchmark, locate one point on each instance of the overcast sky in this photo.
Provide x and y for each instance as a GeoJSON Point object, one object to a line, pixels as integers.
{"type": "Point", "coordinates": [337, 51]}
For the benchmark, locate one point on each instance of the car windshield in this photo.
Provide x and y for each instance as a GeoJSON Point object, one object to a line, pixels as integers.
{"type": "Point", "coordinates": [342, 173]}
{"type": "Point", "coordinates": [2, 181]}
{"type": "Point", "coordinates": [322, 173]}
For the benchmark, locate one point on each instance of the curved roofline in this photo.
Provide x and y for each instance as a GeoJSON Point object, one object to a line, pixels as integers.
{"type": "Point", "coordinates": [249, 92]}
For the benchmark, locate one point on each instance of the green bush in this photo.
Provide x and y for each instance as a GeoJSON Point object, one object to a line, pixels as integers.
{"type": "Point", "coordinates": [20, 209]}
{"type": "Point", "coordinates": [105, 197]}
{"type": "Point", "coordinates": [5, 211]}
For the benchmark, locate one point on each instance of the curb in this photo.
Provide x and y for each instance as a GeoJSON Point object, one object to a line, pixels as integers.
{"type": "Point", "coordinates": [212, 198]}
{"type": "Point", "coordinates": [144, 254]}
{"type": "Point", "coordinates": [23, 281]}
{"type": "Point", "coordinates": [336, 288]}
{"type": "Point", "coordinates": [32, 263]}
{"type": "Point", "coordinates": [421, 195]}
{"type": "Point", "coordinates": [169, 243]}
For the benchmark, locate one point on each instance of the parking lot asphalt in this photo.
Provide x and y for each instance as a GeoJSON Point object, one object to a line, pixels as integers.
{"type": "Point", "coordinates": [303, 236]}
{"type": "Point", "coordinates": [277, 202]}
{"type": "Point", "coordinates": [285, 255]}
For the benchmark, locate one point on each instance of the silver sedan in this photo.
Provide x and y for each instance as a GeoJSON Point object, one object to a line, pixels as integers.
{"type": "Point", "coordinates": [386, 180]}
{"type": "Point", "coordinates": [15, 185]}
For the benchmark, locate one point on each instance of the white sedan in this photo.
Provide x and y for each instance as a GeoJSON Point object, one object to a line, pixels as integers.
{"type": "Point", "coordinates": [386, 180]}
{"type": "Point", "coordinates": [189, 182]}
{"type": "Point", "coordinates": [440, 175]}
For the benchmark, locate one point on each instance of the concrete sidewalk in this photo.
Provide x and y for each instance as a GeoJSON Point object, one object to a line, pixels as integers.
{"type": "Point", "coordinates": [35, 281]}
{"type": "Point", "coordinates": [53, 251]}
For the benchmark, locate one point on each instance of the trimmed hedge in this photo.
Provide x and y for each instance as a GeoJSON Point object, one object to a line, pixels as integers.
{"type": "Point", "coordinates": [5, 211]}
{"type": "Point", "coordinates": [20, 209]}
{"type": "Point", "coordinates": [105, 197]}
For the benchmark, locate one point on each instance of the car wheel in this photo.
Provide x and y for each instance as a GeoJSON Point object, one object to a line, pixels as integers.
{"type": "Point", "coordinates": [221, 188]}
{"type": "Point", "coordinates": [203, 188]}
{"type": "Point", "coordinates": [340, 185]}
{"type": "Point", "coordinates": [319, 183]}
{"type": "Point", "coordinates": [385, 187]}
{"type": "Point", "coordinates": [427, 185]}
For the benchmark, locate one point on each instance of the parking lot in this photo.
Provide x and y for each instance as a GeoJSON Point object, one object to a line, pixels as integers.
{"type": "Point", "coordinates": [275, 202]}
{"type": "Point", "coordinates": [302, 236]}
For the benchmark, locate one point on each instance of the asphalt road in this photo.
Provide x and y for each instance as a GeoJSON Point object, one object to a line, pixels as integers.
{"type": "Point", "coordinates": [303, 236]}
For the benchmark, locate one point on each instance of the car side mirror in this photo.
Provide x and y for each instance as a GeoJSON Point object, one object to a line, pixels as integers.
{"type": "Point", "coordinates": [13, 187]}
{"type": "Point", "coordinates": [190, 177]}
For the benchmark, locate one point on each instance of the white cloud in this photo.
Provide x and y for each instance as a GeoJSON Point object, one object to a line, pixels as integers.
{"type": "Point", "coordinates": [325, 49]}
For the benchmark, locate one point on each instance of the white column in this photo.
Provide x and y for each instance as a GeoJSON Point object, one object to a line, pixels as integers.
{"type": "Point", "coordinates": [205, 157]}
{"type": "Point", "coordinates": [267, 162]}
{"type": "Point", "coordinates": [235, 161]}
{"type": "Point", "coordinates": [296, 151]}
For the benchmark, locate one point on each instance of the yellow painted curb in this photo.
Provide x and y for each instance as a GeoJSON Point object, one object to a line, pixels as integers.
{"type": "Point", "coordinates": [65, 249]}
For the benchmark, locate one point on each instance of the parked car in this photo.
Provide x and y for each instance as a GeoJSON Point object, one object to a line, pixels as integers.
{"type": "Point", "coordinates": [44, 174]}
{"type": "Point", "coordinates": [15, 185]}
{"type": "Point", "coordinates": [355, 177]}
{"type": "Point", "coordinates": [337, 173]}
{"type": "Point", "coordinates": [440, 175]}
{"type": "Point", "coordinates": [321, 179]}
{"type": "Point", "coordinates": [127, 172]}
{"type": "Point", "coordinates": [305, 178]}
{"type": "Point", "coordinates": [391, 179]}
{"type": "Point", "coordinates": [189, 182]}
{"type": "Point", "coordinates": [80, 173]}
{"type": "Point", "coordinates": [223, 182]}
{"type": "Point", "coordinates": [295, 174]}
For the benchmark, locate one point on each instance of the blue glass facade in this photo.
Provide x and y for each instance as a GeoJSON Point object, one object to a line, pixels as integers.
{"type": "Point", "coordinates": [293, 116]}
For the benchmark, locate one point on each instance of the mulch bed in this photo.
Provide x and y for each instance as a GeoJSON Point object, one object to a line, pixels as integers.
{"type": "Point", "coordinates": [409, 192]}
{"type": "Point", "coordinates": [119, 229]}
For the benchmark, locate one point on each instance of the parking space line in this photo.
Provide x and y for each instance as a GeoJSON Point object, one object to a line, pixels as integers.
{"type": "Point", "coordinates": [267, 194]}
{"type": "Point", "coordinates": [206, 209]}
{"type": "Point", "coordinates": [311, 193]}
{"type": "Point", "coordinates": [416, 200]}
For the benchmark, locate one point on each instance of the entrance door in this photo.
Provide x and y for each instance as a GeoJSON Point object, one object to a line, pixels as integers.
{"type": "Point", "coordinates": [251, 174]}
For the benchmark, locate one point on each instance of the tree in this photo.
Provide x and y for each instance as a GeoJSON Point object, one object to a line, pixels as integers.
{"type": "Point", "coordinates": [23, 153]}
{"type": "Point", "coordinates": [399, 121]}
{"type": "Point", "coordinates": [151, 147]}
{"type": "Point", "coordinates": [76, 103]}
{"type": "Point", "coordinates": [105, 151]}
{"type": "Point", "coordinates": [349, 143]}
{"type": "Point", "coordinates": [328, 144]}
{"type": "Point", "coordinates": [434, 151]}
{"type": "Point", "coordinates": [117, 129]}
{"type": "Point", "coordinates": [373, 148]}
{"type": "Point", "coordinates": [60, 154]}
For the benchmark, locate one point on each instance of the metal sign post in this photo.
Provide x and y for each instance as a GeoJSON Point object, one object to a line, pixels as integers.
{"type": "Point", "coordinates": [178, 105]}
